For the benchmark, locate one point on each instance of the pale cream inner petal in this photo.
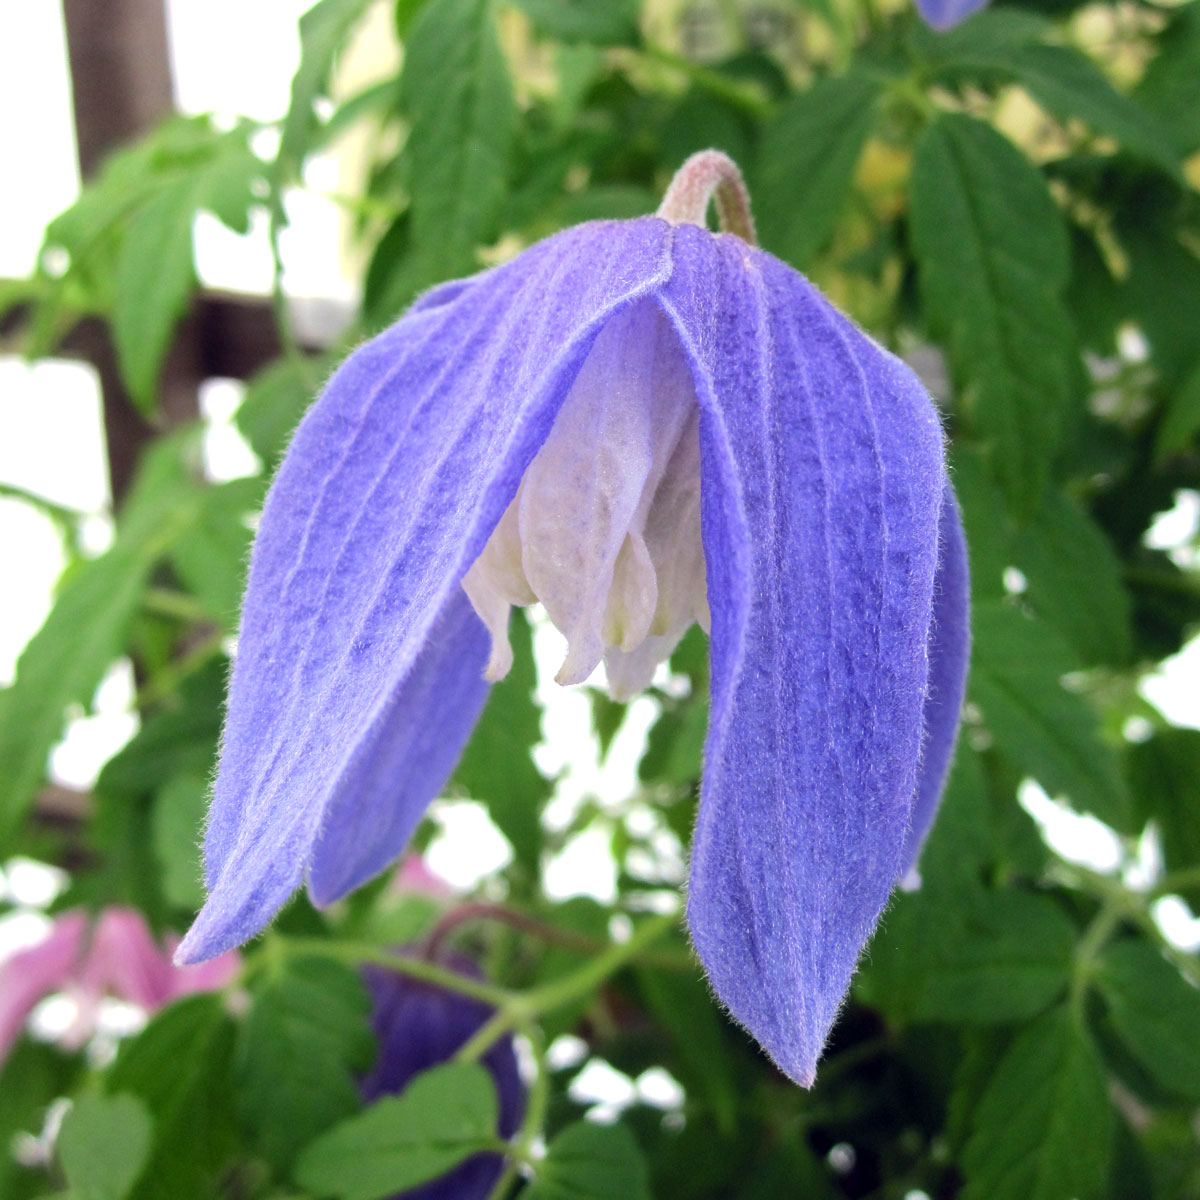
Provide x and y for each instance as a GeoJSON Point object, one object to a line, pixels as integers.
{"type": "Point", "coordinates": [605, 527]}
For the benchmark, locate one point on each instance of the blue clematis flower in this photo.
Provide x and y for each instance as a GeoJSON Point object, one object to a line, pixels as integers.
{"type": "Point", "coordinates": [640, 424]}
{"type": "Point", "coordinates": [945, 14]}
{"type": "Point", "coordinates": [420, 1026]}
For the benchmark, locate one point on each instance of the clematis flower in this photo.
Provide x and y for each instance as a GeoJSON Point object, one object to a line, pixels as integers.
{"type": "Point", "coordinates": [639, 424]}
{"type": "Point", "coordinates": [945, 14]}
{"type": "Point", "coordinates": [116, 956]}
{"type": "Point", "coordinates": [420, 1026]}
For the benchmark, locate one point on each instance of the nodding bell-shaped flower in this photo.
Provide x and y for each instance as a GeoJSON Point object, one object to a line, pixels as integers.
{"type": "Point", "coordinates": [945, 14]}
{"type": "Point", "coordinates": [640, 424]}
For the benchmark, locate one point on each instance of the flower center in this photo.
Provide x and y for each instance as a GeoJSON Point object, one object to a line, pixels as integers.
{"type": "Point", "coordinates": [604, 529]}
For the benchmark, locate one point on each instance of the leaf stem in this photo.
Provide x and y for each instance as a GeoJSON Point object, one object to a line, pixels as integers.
{"type": "Point", "coordinates": [357, 953]}
{"type": "Point", "coordinates": [519, 1009]}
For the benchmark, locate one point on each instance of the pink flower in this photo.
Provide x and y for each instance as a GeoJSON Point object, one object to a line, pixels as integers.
{"type": "Point", "coordinates": [116, 956]}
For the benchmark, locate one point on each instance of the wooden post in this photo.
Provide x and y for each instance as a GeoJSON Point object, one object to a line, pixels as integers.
{"type": "Point", "coordinates": [121, 87]}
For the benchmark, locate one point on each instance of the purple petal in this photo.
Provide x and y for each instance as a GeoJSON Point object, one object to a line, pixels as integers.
{"type": "Point", "coordinates": [822, 478]}
{"type": "Point", "coordinates": [949, 654]}
{"type": "Point", "coordinates": [420, 1026]}
{"type": "Point", "coordinates": [355, 652]}
{"type": "Point", "coordinates": [945, 14]}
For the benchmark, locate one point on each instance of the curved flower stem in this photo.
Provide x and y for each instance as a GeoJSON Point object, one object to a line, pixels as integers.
{"type": "Point", "coordinates": [581, 943]}
{"type": "Point", "coordinates": [710, 175]}
{"type": "Point", "coordinates": [357, 953]}
{"type": "Point", "coordinates": [519, 1009]}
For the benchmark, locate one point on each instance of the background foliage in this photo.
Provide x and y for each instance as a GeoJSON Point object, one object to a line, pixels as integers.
{"type": "Point", "coordinates": [1013, 204]}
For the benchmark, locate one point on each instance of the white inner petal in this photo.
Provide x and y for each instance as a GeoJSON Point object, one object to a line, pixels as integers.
{"type": "Point", "coordinates": [605, 527]}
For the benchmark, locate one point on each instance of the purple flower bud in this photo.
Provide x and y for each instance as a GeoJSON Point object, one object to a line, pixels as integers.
{"type": "Point", "coordinates": [420, 1026]}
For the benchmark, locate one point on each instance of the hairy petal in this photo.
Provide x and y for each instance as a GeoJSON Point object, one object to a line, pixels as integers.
{"type": "Point", "coordinates": [822, 479]}
{"type": "Point", "coordinates": [392, 484]}
{"type": "Point", "coordinates": [949, 654]}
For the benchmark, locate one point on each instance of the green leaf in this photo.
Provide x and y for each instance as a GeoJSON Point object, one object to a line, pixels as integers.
{"type": "Point", "coordinates": [497, 767]}
{"type": "Point", "coordinates": [103, 1145]}
{"type": "Point", "coordinates": [1162, 287]}
{"type": "Point", "coordinates": [1156, 1012]}
{"type": "Point", "coordinates": [602, 21]}
{"type": "Point", "coordinates": [1074, 581]}
{"type": "Point", "coordinates": [1181, 421]}
{"type": "Point", "coordinates": [592, 1162]}
{"type": "Point", "coordinates": [1042, 1129]}
{"type": "Point", "coordinates": [86, 629]}
{"type": "Point", "coordinates": [1016, 673]}
{"type": "Point", "coordinates": [324, 29]}
{"type": "Point", "coordinates": [443, 1116]}
{"type": "Point", "coordinates": [273, 404]}
{"type": "Point", "coordinates": [154, 275]}
{"type": "Point", "coordinates": [210, 556]}
{"type": "Point", "coordinates": [459, 100]}
{"type": "Point", "coordinates": [1171, 84]}
{"type": "Point", "coordinates": [180, 739]}
{"type": "Point", "coordinates": [177, 821]}
{"type": "Point", "coordinates": [993, 259]}
{"type": "Point", "coordinates": [179, 1066]}
{"type": "Point", "coordinates": [61, 666]}
{"type": "Point", "coordinates": [306, 1036]}
{"type": "Point", "coordinates": [1164, 777]}
{"type": "Point", "coordinates": [1008, 961]}
{"type": "Point", "coordinates": [1068, 84]}
{"type": "Point", "coordinates": [809, 151]}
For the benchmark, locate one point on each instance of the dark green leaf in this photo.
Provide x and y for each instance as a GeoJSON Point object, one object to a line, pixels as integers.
{"type": "Point", "coordinates": [1074, 581]}
{"type": "Point", "coordinates": [602, 21]}
{"type": "Point", "coordinates": [103, 1145]}
{"type": "Point", "coordinates": [1162, 286]}
{"type": "Point", "coordinates": [180, 1068]}
{"type": "Point", "coordinates": [444, 1116]}
{"type": "Point", "coordinates": [809, 151]}
{"type": "Point", "coordinates": [993, 258]}
{"type": "Point", "coordinates": [306, 1036]}
{"type": "Point", "coordinates": [1009, 960]}
{"type": "Point", "coordinates": [1181, 421]}
{"type": "Point", "coordinates": [1164, 777]}
{"type": "Point", "coordinates": [497, 767]}
{"type": "Point", "coordinates": [1156, 1012]}
{"type": "Point", "coordinates": [1042, 1129]}
{"type": "Point", "coordinates": [459, 99]}
{"type": "Point", "coordinates": [592, 1162]}
{"type": "Point", "coordinates": [1016, 673]}
{"type": "Point", "coordinates": [1171, 85]}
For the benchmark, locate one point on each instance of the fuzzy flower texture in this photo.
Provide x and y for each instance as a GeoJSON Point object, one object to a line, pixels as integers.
{"type": "Point", "coordinates": [638, 424]}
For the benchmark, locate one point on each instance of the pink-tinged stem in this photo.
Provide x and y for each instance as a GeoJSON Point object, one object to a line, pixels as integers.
{"type": "Point", "coordinates": [710, 175]}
